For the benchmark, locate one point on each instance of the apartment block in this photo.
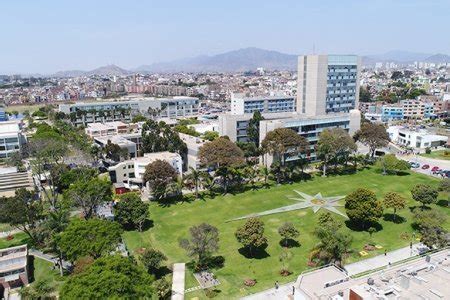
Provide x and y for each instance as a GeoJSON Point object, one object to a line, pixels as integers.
{"type": "Point", "coordinates": [11, 138]}
{"type": "Point", "coordinates": [328, 84]}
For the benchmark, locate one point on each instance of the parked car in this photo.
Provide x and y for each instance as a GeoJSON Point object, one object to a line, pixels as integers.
{"type": "Point", "coordinates": [425, 167]}
{"type": "Point", "coordinates": [446, 174]}
{"type": "Point", "coordinates": [435, 170]}
{"type": "Point", "coordinates": [414, 165]}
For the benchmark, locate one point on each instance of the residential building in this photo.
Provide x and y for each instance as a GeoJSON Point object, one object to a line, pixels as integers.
{"type": "Point", "coordinates": [11, 138]}
{"type": "Point", "coordinates": [82, 113]}
{"type": "Point", "coordinates": [391, 113]}
{"type": "Point", "coordinates": [416, 109]}
{"type": "Point", "coordinates": [310, 128]}
{"type": "Point", "coordinates": [415, 138]}
{"type": "Point", "coordinates": [13, 269]}
{"type": "Point", "coordinates": [328, 84]}
{"type": "Point", "coordinates": [248, 105]}
{"type": "Point", "coordinates": [130, 172]}
{"type": "Point", "coordinates": [132, 142]}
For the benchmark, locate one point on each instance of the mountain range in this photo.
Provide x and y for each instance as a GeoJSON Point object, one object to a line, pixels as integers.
{"type": "Point", "coordinates": [247, 59]}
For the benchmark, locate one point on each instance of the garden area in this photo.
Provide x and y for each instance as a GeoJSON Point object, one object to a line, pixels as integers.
{"type": "Point", "coordinates": [439, 154]}
{"type": "Point", "coordinates": [171, 222]}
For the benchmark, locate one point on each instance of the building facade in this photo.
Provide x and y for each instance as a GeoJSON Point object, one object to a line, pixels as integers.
{"type": "Point", "coordinates": [310, 128]}
{"type": "Point", "coordinates": [13, 269]}
{"type": "Point", "coordinates": [130, 172]}
{"type": "Point", "coordinates": [420, 139]}
{"type": "Point", "coordinates": [273, 104]}
{"type": "Point", "coordinates": [328, 84]}
{"type": "Point", "coordinates": [391, 113]}
{"type": "Point", "coordinates": [123, 110]}
{"type": "Point", "coordinates": [416, 109]}
{"type": "Point", "coordinates": [11, 138]}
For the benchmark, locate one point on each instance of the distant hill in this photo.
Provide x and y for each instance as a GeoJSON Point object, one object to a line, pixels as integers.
{"type": "Point", "coordinates": [438, 58]}
{"type": "Point", "coordinates": [102, 71]}
{"type": "Point", "coordinates": [405, 57]}
{"type": "Point", "coordinates": [232, 61]}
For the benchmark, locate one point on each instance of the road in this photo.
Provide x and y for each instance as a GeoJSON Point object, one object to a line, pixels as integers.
{"type": "Point", "coordinates": [442, 164]}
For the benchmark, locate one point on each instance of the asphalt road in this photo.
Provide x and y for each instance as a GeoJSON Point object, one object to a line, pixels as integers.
{"type": "Point", "coordinates": [442, 164]}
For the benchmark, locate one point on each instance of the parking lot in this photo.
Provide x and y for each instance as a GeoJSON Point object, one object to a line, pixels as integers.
{"type": "Point", "coordinates": [441, 164]}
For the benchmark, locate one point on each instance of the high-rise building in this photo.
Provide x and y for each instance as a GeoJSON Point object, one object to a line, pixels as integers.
{"type": "Point", "coordinates": [327, 84]}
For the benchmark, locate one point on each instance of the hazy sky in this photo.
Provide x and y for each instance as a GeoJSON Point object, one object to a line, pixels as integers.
{"type": "Point", "coordinates": [46, 36]}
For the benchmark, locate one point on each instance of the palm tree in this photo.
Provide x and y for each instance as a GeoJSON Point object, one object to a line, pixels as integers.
{"type": "Point", "coordinates": [195, 177]}
{"type": "Point", "coordinates": [264, 172]}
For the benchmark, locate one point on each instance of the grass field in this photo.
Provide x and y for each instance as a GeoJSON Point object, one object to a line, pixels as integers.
{"type": "Point", "coordinates": [439, 154]}
{"type": "Point", "coordinates": [170, 223]}
{"type": "Point", "coordinates": [43, 271]}
{"type": "Point", "coordinates": [21, 108]}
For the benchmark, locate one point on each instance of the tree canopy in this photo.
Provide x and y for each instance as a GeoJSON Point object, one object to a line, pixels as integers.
{"type": "Point", "coordinates": [159, 174]}
{"type": "Point", "coordinates": [389, 163]}
{"type": "Point", "coordinates": [109, 277]}
{"type": "Point", "coordinates": [220, 153]}
{"type": "Point", "coordinates": [131, 211]}
{"type": "Point", "coordinates": [363, 207]}
{"type": "Point", "coordinates": [373, 136]}
{"type": "Point", "coordinates": [157, 137]}
{"type": "Point", "coordinates": [284, 141]}
{"type": "Point", "coordinates": [251, 235]}
{"type": "Point", "coordinates": [204, 241]}
{"type": "Point", "coordinates": [424, 194]}
{"type": "Point", "coordinates": [93, 237]}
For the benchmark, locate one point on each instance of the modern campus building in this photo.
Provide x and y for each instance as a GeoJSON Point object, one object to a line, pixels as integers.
{"type": "Point", "coordinates": [273, 104]}
{"type": "Point", "coordinates": [82, 113]}
{"type": "Point", "coordinates": [327, 84]}
{"type": "Point", "coordinates": [13, 269]}
{"type": "Point", "coordinates": [310, 128]}
{"type": "Point", "coordinates": [130, 172]}
{"type": "Point", "coordinates": [416, 109]}
{"type": "Point", "coordinates": [415, 138]}
{"type": "Point", "coordinates": [11, 138]}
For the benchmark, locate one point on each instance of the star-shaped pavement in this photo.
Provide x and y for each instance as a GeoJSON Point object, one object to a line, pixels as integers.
{"type": "Point", "coordinates": [315, 202]}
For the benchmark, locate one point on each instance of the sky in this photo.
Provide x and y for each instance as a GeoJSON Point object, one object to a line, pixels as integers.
{"type": "Point", "coordinates": [46, 36]}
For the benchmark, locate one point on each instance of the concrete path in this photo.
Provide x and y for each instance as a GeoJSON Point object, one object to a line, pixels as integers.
{"type": "Point", "coordinates": [49, 258]}
{"type": "Point", "coordinates": [285, 291]}
{"type": "Point", "coordinates": [382, 260]}
{"type": "Point", "coordinates": [178, 281]}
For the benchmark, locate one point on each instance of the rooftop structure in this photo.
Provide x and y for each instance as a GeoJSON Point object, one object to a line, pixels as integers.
{"type": "Point", "coordinates": [13, 268]}
{"type": "Point", "coordinates": [422, 278]}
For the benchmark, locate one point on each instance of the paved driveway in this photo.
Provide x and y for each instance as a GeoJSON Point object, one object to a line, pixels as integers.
{"type": "Point", "coordinates": [442, 164]}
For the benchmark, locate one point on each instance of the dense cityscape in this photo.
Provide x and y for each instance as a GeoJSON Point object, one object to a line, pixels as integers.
{"type": "Point", "coordinates": [249, 174]}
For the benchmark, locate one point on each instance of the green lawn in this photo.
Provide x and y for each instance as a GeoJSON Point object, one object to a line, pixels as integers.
{"type": "Point", "coordinates": [19, 239]}
{"type": "Point", "coordinates": [43, 270]}
{"type": "Point", "coordinates": [439, 154]}
{"type": "Point", "coordinates": [171, 223]}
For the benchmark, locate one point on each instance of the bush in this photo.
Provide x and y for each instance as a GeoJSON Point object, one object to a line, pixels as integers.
{"type": "Point", "coordinates": [427, 150]}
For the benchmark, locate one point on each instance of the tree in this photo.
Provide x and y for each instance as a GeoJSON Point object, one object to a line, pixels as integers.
{"type": "Point", "coordinates": [434, 237]}
{"type": "Point", "coordinates": [326, 148]}
{"type": "Point", "coordinates": [373, 136]}
{"type": "Point", "coordinates": [221, 154]}
{"type": "Point", "coordinates": [253, 127]}
{"type": "Point", "coordinates": [431, 218]}
{"type": "Point", "coordinates": [157, 137]}
{"type": "Point", "coordinates": [210, 135]}
{"type": "Point", "coordinates": [328, 222]}
{"type": "Point", "coordinates": [363, 208]}
{"type": "Point", "coordinates": [390, 163]}
{"type": "Point", "coordinates": [333, 244]}
{"type": "Point", "coordinates": [163, 289]}
{"type": "Point", "coordinates": [114, 151]}
{"type": "Point", "coordinates": [251, 235]}
{"type": "Point", "coordinates": [93, 237]}
{"type": "Point", "coordinates": [284, 141]}
{"type": "Point", "coordinates": [40, 289]}
{"type": "Point", "coordinates": [109, 277]}
{"type": "Point", "coordinates": [364, 94]}
{"type": "Point", "coordinates": [395, 201]}
{"type": "Point", "coordinates": [152, 259]}
{"type": "Point", "coordinates": [138, 118]}
{"type": "Point", "coordinates": [424, 194]}
{"type": "Point", "coordinates": [159, 174]}
{"type": "Point", "coordinates": [288, 232]}
{"type": "Point", "coordinates": [194, 179]}
{"type": "Point", "coordinates": [131, 211]}
{"type": "Point", "coordinates": [264, 172]}
{"type": "Point", "coordinates": [47, 154]}
{"type": "Point", "coordinates": [89, 194]}
{"type": "Point", "coordinates": [23, 211]}
{"type": "Point", "coordinates": [203, 243]}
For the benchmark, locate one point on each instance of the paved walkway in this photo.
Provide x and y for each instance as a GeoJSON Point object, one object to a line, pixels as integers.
{"type": "Point", "coordinates": [178, 281]}
{"type": "Point", "coordinates": [382, 260]}
{"type": "Point", "coordinates": [49, 258]}
{"type": "Point", "coordinates": [285, 291]}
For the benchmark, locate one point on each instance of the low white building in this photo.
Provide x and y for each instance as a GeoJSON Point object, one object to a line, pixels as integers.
{"type": "Point", "coordinates": [11, 138]}
{"type": "Point", "coordinates": [193, 147]}
{"type": "Point", "coordinates": [108, 128]}
{"type": "Point", "coordinates": [131, 172]}
{"type": "Point", "coordinates": [13, 269]}
{"type": "Point", "coordinates": [421, 138]}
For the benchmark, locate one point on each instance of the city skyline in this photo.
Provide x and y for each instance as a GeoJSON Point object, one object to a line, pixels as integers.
{"type": "Point", "coordinates": [50, 36]}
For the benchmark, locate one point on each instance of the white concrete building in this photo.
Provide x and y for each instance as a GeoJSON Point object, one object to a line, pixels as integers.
{"type": "Point", "coordinates": [13, 269]}
{"type": "Point", "coordinates": [193, 146]}
{"type": "Point", "coordinates": [264, 104]}
{"type": "Point", "coordinates": [11, 138]}
{"type": "Point", "coordinates": [131, 172]}
{"type": "Point", "coordinates": [421, 139]}
{"type": "Point", "coordinates": [108, 128]}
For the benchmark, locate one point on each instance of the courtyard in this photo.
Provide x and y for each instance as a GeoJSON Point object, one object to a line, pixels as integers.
{"type": "Point", "coordinates": [171, 222]}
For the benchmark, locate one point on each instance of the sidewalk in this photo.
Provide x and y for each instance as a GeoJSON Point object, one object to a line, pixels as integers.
{"type": "Point", "coordinates": [285, 290]}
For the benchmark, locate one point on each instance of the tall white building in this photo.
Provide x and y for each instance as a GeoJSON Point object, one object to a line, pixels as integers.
{"type": "Point", "coordinates": [327, 84]}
